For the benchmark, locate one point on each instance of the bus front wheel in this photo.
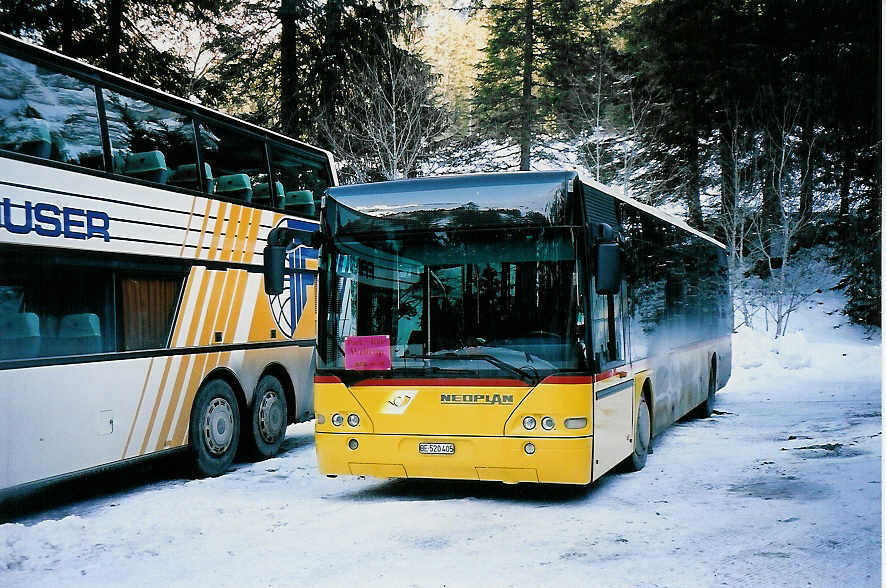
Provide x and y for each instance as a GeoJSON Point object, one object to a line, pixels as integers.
{"type": "Point", "coordinates": [214, 429]}
{"type": "Point", "coordinates": [269, 412]}
{"type": "Point", "coordinates": [642, 438]}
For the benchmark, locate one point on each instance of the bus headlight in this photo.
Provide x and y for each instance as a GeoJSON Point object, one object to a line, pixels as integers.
{"type": "Point", "coordinates": [337, 419]}
{"type": "Point", "coordinates": [353, 420]}
{"type": "Point", "coordinates": [529, 448]}
{"type": "Point", "coordinates": [528, 423]}
{"type": "Point", "coordinates": [576, 423]}
{"type": "Point", "coordinates": [547, 423]}
{"type": "Point", "coordinates": [353, 444]}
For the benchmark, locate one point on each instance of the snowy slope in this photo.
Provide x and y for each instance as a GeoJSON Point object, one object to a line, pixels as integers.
{"type": "Point", "coordinates": [780, 488]}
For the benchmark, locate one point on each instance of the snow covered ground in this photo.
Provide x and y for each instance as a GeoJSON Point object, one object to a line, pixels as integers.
{"type": "Point", "coordinates": [782, 487]}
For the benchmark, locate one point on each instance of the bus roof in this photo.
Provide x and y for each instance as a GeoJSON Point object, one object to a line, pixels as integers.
{"type": "Point", "coordinates": [533, 198]}
{"type": "Point", "coordinates": [96, 74]}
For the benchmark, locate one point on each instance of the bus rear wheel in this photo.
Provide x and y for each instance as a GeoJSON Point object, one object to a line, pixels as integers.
{"type": "Point", "coordinates": [642, 438]}
{"type": "Point", "coordinates": [706, 408]}
{"type": "Point", "coordinates": [214, 429]}
{"type": "Point", "coordinates": [269, 418]}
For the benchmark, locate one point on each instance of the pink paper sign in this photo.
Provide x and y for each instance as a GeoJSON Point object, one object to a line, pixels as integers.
{"type": "Point", "coordinates": [371, 352]}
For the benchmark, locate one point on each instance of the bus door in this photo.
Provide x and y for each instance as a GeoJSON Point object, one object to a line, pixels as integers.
{"type": "Point", "coordinates": [613, 385]}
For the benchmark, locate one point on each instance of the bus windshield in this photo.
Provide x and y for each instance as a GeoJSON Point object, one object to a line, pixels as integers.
{"type": "Point", "coordinates": [498, 300]}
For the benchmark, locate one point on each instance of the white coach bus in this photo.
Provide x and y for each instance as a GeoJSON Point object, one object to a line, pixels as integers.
{"type": "Point", "coordinates": [133, 319]}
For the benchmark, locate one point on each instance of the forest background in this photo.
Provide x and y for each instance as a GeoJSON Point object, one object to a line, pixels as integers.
{"type": "Point", "coordinates": [758, 121]}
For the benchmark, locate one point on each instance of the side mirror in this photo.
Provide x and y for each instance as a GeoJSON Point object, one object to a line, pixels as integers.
{"type": "Point", "coordinates": [281, 240]}
{"type": "Point", "coordinates": [274, 261]}
{"type": "Point", "coordinates": [607, 269]}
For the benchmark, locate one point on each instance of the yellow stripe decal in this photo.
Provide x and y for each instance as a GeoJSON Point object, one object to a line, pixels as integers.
{"type": "Point", "coordinates": [203, 228]}
{"type": "Point", "coordinates": [236, 306]}
{"type": "Point", "coordinates": [156, 406]}
{"type": "Point", "coordinates": [173, 402]}
{"type": "Point", "coordinates": [254, 224]}
{"type": "Point", "coordinates": [216, 233]}
{"type": "Point", "coordinates": [188, 227]}
{"type": "Point", "coordinates": [138, 409]}
{"type": "Point", "coordinates": [230, 232]}
{"type": "Point", "coordinates": [181, 427]}
{"type": "Point", "coordinates": [179, 320]}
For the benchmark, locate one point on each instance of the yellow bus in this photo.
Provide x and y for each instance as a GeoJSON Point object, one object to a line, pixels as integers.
{"type": "Point", "coordinates": [519, 327]}
{"type": "Point", "coordinates": [133, 321]}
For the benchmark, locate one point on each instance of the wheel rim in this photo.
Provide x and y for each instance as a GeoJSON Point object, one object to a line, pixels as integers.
{"type": "Point", "coordinates": [218, 426]}
{"type": "Point", "coordinates": [643, 429]}
{"type": "Point", "coordinates": [270, 416]}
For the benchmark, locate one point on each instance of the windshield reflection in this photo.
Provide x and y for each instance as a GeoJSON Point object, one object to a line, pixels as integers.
{"type": "Point", "coordinates": [460, 302]}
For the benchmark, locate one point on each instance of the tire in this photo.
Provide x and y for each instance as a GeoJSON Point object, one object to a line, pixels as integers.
{"type": "Point", "coordinates": [215, 428]}
{"type": "Point", "coordinates": [706, 408]}
{"type": "Point", "coordinates": [642, 438]}
{"type": "Point", "coordinates": [269, 418]}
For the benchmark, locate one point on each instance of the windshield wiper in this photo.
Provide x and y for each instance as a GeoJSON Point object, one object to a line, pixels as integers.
{"type": "Point", "coordinates": [520, 373]}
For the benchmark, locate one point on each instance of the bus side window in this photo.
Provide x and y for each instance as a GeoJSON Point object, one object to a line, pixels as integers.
{"type": "Point", "coordinates": [149, 142]}
{"type": "Point", "coordinates": [147, 307]}
{"type": "Point", "coordinates": [48, 114]}
{"type": "Point", "coordinates": [303, 181]}
{"type": "Point", "coordinates": [237, 161]}
{"type": "Point", "coordinates": [606, 329]}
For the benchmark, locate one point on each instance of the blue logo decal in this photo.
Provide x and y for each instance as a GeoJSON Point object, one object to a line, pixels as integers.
{"type": "Point", "coordinates": [288, 306]}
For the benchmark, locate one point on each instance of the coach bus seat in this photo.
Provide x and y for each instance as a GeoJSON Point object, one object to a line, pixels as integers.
{"type": "Point", "coordinates": [261, 194]}
{"type": "Point", "coordinates": [19, 335]}
{"type": "Point", "coordinates": [149, 165]}
{"type": "Point", "coordinates": [299, 202]}
{"type": "Point", "coordinates": [236, 186]}
{"type": "Point", "coordinates": [79, 333]}
{"type": "Point", "coordinates": [27, 135]}
{"type": "Point", "coordinates": [186, 176]}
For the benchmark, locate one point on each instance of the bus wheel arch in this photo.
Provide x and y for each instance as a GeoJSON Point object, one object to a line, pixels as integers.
{"type": "Point", "coordinates": [636, 461]}
{"type": "Point", "coordinates": [270, 412]}
{"type": "Point", "coordinates": [646, 394]}
{"type": "Point", "coordinates": [215, 423]}
{"type": "Point", "coordinates": [706, 408]}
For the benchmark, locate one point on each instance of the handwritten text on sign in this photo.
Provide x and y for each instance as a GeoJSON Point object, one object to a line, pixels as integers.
{"type": "Point", "coordinates": [372, 352]}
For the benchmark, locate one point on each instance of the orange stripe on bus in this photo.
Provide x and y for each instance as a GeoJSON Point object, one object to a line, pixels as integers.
{"type": "Point", "coordinates": [212, 304]}
{"type": "Point", "coordinates": [225, 303]}
{"type": "Point", "coordinates": [181, 253]}
{"type": "Point", "coordinates": [156, 408]}
{"type": "Point", "coordinates": [172, 408]}
{"type": "Point", "coordinates": [138, 409]}
{"type": "Point", "coordinates": [190, 391]}
{"type": "Point", "coordinates": [255, 224]}
{"type": "Point", "coordinates": [230, 233]}
{"type": "Point", "coordinates": [242, 234]}
{"type": "Point", "coordinates": [184, 418]}
{"type": "Point", "coordinates": [182, 310]}
{"type": "Point", "coordinates": [202, 288]}
{"type": "Point", "coordinates": [203, 228]}
{"type": "Point", "coordinates": [236, 306]}
{"type": "Point", "coordinates": [217, 231]}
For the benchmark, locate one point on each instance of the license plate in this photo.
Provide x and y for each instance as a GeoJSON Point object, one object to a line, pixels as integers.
{"type": "Point", "coordinates": [437, 448]}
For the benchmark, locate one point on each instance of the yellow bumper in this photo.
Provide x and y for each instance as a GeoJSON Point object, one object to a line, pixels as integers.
{"type": "Point", "coordinates": [504, 459]}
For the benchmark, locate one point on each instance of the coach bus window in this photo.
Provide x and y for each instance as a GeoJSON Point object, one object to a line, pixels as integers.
{"type": "Point", "coordinates": [151, 143]}
{"type": "Point", "coordinates": [237, 161]}
{"type": "Point", "coordinates": [47, 114]}
{"type": "Point", "coordinates": [147, 308]}
{"type": "Point", "coordinates": [300, 181]}
{"type": "Point", "coordinates": [53, 309]}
